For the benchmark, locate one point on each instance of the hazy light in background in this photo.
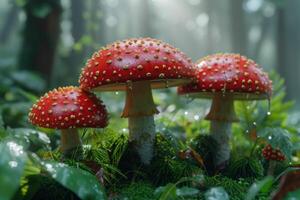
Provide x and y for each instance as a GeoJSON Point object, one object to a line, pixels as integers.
{"type": "Point", "coordinates": [190, 25]}
{"type": "Point", "coordinates": [67, 38]}
{"type": "Point", "coordinates": [112, 3]}
{"type": "Point", "coordinates": [269, 10]}
{"type": "Point", "coordinates": [254, 34]}
{"type": "Point", "coordinates": [66, 26]}
{"type": "Point", "coordinates": [111, 21]}
{"type": "Point", "coordinates": [202, 20]}
{"type": "Point", "coordinates": [194, 2]}
{"type": "Point", "coordinates": [253, 5]}
{"type": "Point", "coordinates": [160, 1]}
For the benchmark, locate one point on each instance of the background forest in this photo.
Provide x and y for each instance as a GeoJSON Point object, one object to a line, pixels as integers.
{"type": "Point", "coordinates": [45, 43]}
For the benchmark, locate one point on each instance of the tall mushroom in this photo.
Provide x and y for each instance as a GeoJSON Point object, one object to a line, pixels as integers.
{"type": "Point", "coordinates": [67, 109]}
{"type": "Point", "coordinates": [225, 78]}
{"type": "Point", "coordinates": [137, 66]}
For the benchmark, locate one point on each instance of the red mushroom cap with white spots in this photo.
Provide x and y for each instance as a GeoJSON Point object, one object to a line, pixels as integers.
{"type": "Point", "coordinates": [68, 107]}
{"type": "Point", "coordinates": [116, 65]}
{"type": "Point", "coordinates": [229, 73]}
{"type": "Point", "coordinates": [270, 153]}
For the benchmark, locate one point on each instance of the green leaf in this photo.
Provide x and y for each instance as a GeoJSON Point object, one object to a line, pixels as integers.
{"type": "Point", "coordinates": [82, 183]}
{"type": "Point", "coordinates": [187, 192]}
{"type": "Point", "coordinates": [29, 80]}
{"type": "Point", "coordinates": [32, 98]}
{"type": "Point", "coordinates": [278, 138]}
{"type": "Point", "coordinates": [295, 195]}
{"type": "Point", "coordinates": [36, 137]}
{"type": "Point", "coordinates": [12, 162]}
{"type": "Point", "coordinates": [216, 193]}
{"type": "Point", "coordinates": [263, 186]}
{"type": "Point", "coordinates": [167, 192]}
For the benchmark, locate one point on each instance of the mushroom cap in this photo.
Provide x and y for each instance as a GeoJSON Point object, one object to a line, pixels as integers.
{"type": "Point", "coordinates": [68, 107]}
{"type": "Point", "coordinates": [116, 65]}
{"type": "Point", "coordinates": [229, 74]}
{"type": "Point", "coordinates": [270, 153]}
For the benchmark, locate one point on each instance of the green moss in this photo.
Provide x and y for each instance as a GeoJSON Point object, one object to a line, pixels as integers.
{"type": "Point", "coordinates": [206, 146]}
{"type": "Point", "coordinates": [135, 191]}
{"type": "Point", "coordinates": [131, 165]}
{"type": "Point", "coordinates": [166, 166]}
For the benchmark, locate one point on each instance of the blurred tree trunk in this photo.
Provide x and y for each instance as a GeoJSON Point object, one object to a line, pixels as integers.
{"type": "Point", "coordinates": [9, 23]}
{"type": "Point", "coordinates": [208, 5]}
{"type": "Point", "coordinates": [146, 17]}
{"type": "Point", "coordinates": [95, 24]}
{"type": "Point", "coordinates": [76, 56]}
{"type": "Point", "coordinates": [40, 36]}
{"type": "Point", "coordinates": [238, 31]}
{"type": "Point", "coordinates": [265, 26]}
{"type": "Point", "coordinates": [288, 46]}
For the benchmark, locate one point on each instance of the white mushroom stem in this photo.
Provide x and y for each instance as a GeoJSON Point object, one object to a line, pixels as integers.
{"type": "Point", "coordinates": [139, 109]}
{"type": "Point", "coordinates": [69, 140]}
{"type": "Point", "coordinates": [221, 115]}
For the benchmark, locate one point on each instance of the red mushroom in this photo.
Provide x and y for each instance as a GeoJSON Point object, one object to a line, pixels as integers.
{"type": "Point", "coordinates": [272, 155]}
{"type": "Point", "coordinates": [137, 66]}
{"type": "Point", "coordinates": [68, 108]}
{"type": "Point", "coordinates": [225, 78]}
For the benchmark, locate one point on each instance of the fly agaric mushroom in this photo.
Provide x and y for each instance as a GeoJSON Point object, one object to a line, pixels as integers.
{"type": "Point", "coordinates": [67, 109]}
{"type": "Point", "coordinates": [137, 66]}
{"type": "Point", "coordinates": [225, 78]}
{"type": "Point", "coordinates": [272, 155]}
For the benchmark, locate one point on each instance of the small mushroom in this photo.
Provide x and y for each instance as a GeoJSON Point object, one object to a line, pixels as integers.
{"type": "Point", "coordinates": [68, 108]}
{"type": "Point", "coordinates": [137, 66]}
{"type": "Point", "coordinates": [225, 78]}
{"type": "Point", "coordinates": [273, 156]}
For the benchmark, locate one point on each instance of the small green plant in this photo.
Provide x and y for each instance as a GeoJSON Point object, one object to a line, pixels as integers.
{"type": "Point", "coordinates": [245, 167]}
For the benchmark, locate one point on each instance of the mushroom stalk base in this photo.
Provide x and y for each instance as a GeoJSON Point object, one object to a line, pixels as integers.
{"type": "Point", "coordinates": [70, 141]}
{"type": "Point", "coordinates": [139, 109]}
{"type": "Point", "coordinates": [221, 115]}
{"type": "Point", "coordinates": [142, 134]}
{"type": "Point", "coordinates": [221, 132]}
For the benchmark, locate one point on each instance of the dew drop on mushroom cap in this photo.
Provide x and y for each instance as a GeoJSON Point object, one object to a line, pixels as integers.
{"type": "Point", "coordinates": [69, 108]}
{"type": "Point", "coordinates": [225, 78]}
{"type": "Point", "coordinates": [137, 66]}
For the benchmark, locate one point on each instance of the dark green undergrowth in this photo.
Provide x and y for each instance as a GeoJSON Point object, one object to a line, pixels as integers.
{"type": "Point", "coordinates": [107, 167]}
{"type": "Point", "coordinates": [166, 166]}
{"type": "Point", "coordinates": [134, 191]}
